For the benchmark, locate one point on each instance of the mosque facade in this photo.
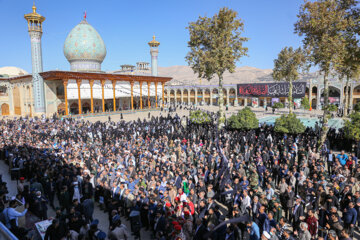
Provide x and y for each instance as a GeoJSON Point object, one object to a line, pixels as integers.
{"type": "Point", "coordinates": [208, 94]}
{"type": "Point", "coordinates": [85, 88]}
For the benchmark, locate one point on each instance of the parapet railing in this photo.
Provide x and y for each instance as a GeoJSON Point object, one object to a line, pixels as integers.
{"type": "Point", "coordinates": [6, 234]}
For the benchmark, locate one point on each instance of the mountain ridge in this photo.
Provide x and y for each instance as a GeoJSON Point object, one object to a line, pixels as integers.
{"type": "Point", "coordinates": [184, 75]}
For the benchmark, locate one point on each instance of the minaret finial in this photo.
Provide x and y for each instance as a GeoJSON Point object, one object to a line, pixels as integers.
{"type": "Point", "coordinates": [153, 43]}
{"type": "Point", "coordinates": [85, 15]}
{"type": "Point", "coordinates": [34, 17]}
{"type": "Point", "coordinates": [34, 7]}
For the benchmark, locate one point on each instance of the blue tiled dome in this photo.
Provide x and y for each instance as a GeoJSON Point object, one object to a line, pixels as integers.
{"type": "Point", "coordinates": [84, 43]}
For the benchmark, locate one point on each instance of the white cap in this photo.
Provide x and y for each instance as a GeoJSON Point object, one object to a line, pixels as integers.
{"type": "Point", "coordinates": [266, 234]}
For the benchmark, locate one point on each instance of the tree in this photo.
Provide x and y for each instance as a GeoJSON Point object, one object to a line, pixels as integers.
{"type": "Point", "coordinates": [287, 67]}
{"type": "Point", "coordinates": [305, 103]}
{"type": "Point", "coordinates": [215, 45]}
{"type": "Point", "coordinates": [278, 105]}
{"type": "Point", "coordinates": [289, 124]}
{"type": "Point", "coordinates": [322, 24]}
{"type": "Point", "coordinates": [332, 108]}
{"type": "Point", "coordinates": [245, 119]}
{"type": "Point", "coordinates": [357, 107]}
{"type": "Point", "coordinates": [352, 127]}
{"type": "Point", "coordinates": [350, 68]}
{"type": "Point", "coordinates": [199, 117]}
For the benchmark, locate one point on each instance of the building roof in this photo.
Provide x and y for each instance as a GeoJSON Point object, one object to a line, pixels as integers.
{"type": "Point", "coordinates": [56, 75]}
{"type": "Point", "coordinates": [66, 75]}
{"type": "Point", "coordinates": [10, 71]}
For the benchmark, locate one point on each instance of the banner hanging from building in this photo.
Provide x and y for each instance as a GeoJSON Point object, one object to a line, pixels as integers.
{"type": "Point", "coordinates": [275, 90]}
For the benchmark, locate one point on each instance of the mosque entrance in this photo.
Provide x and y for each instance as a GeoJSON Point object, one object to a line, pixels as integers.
{"type": "Point", "coordinates": [86, 107]}
{"type": "Point", "coordinates": [313, 103]}
{"type": "Point", "coordinates": [334, 96]}
{"type": "Point", "coordinates": [61, 109]}
{"type": "Point", "coordinates": [5, 110]}
{"type": "Point", "coordinates": [74, 108]}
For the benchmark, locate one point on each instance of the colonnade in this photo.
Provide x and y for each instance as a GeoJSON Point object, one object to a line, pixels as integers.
{"type": "Point", "coordinates": [91, 83]}
{"type": "Point", "coordinates": [200, 94]}
{"type": "Point", "coordinates": [197, 94]}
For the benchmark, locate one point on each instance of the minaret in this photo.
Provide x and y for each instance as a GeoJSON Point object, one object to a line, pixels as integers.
{"type": "Point", "coordinates": [35, 21]}
{"type": "Point", "coordinates": [154, 52]}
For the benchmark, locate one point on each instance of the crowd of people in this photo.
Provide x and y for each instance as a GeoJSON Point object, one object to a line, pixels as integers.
{"type": "Point", "coordinates": [178, 181]}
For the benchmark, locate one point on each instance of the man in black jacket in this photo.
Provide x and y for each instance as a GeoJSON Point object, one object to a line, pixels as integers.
{"type": "Point", "coordinates": [288, 197]}
{"type": "Point", "coordinates": [331, 200]}
{"type": "Point", "coordinates": [297, 214]}
{"type": "Point", "coordinates": [200, 230]}
{"type": "Point", "coordinates": [54, 232]}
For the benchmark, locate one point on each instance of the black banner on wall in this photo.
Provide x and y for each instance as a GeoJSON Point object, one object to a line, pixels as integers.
{"type": "Point", "coordinates": [280, 89]}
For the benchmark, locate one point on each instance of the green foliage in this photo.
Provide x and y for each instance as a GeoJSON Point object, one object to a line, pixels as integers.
{"type": "Point", "coordinates": [305, 103]}
{"type": "Point", "coordinates": [323, 24]}
{"type": "Point", "coordinates": [215, 46]}
{"type": "Point", "coordinates": [326, 27]}
{"type": "Point", "coordinates": [244, 119]}
{"type": "Point", "coordinates": [288, 65]}
{"type": "Point", "coordinates": [357, 107]}
{"type": "Point", "coordinates": [278, 105]}
{"type": "Point", "coordinates": [199, 117]}
{"type": "Point", "coordinates": [216, 43]}
{"type": "Point", "coordinates": [332, 108]}
{"type": "Point", "coordinates": [289, 124]}
{"type": "Point", "coordinates": [287, 68]}
{"type": "Point", "coordinates": [352, 127]}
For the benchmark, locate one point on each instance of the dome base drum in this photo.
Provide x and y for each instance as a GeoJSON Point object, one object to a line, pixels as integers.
{"type": "Point", "coordinates": [85, 65]}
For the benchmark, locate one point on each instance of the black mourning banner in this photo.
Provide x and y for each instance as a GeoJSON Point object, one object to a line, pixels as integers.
{"type": "Point", "coordinates": [280, 89]}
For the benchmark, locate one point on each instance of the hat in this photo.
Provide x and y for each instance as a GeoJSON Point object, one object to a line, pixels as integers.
{"type": "Point", "coordinates": [116, 218]}
{"type": "Point", "coordinates": [95, 222]}
{"type": "Point", "coordinates": [177, 227]}
{"type": "Point", "coordinates": [174, 223]}
{"type": "Point", "coordinates": [22, 178]}
{"type": "Point", "coordinates": [266, 234]}
{"type": "Point", "coordinates": [168, 204]}
{"type": "Point", "coordinates": [101, 235]}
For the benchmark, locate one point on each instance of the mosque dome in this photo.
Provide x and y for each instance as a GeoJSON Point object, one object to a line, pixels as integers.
{"type": "Point", "coordinates": [84, 48]}
{"type": "Point", "coordinates": [10, 71]}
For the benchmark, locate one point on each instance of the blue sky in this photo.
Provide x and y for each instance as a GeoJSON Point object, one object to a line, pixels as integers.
{"type": "Point", "coordinates": [127, 25]}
